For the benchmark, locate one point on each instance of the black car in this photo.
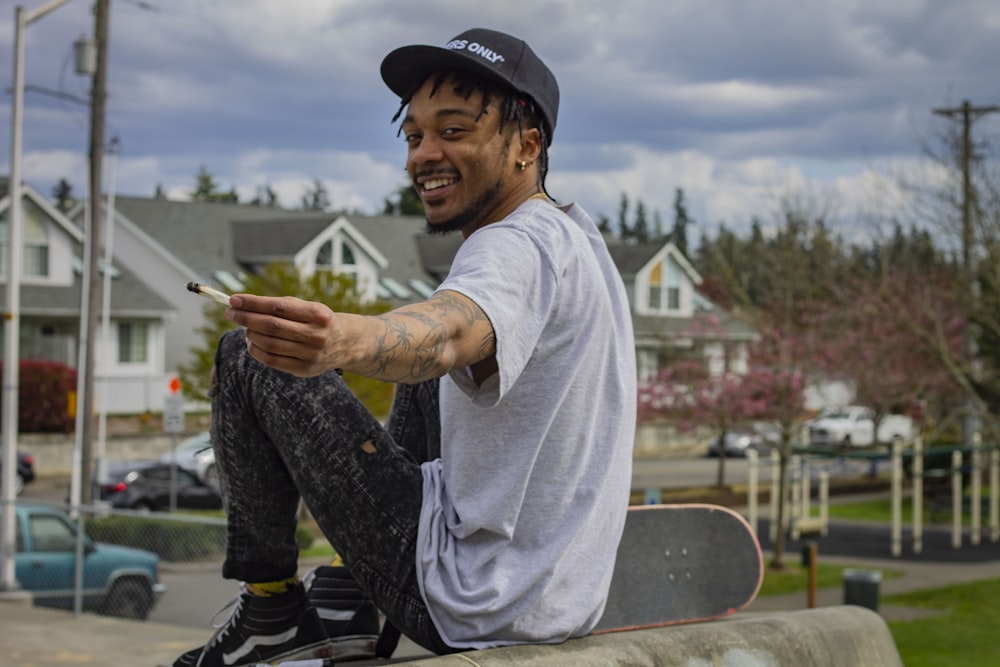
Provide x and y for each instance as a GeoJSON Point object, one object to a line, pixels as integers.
{"type": "Point", "coordinates": [146, 485]}
{"type": "Point", "coordinates": [25, 471]}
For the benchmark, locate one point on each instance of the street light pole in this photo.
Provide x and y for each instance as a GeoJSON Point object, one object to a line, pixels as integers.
{"type": "Point", "coordinates": [12, 314]}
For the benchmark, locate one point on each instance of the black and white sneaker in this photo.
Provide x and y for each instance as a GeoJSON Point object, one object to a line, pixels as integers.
{"type": "Point", "coordinates": [349, 616]}
{"type": "Point", "coordinates": [262, 629]}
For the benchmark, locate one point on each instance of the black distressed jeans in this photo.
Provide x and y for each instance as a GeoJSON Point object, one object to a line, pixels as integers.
{"type": "Point", "coordinates": [279, 438]}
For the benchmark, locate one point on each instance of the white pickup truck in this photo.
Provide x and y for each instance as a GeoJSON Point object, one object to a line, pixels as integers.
{"type": "Point", "coordinates": [854, 426]}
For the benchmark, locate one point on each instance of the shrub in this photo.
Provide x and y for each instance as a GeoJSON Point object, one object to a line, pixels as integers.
{"type": "Point", "coordinates": [43, 396]}
{"type": "Point", "coordinates": [172, 541]}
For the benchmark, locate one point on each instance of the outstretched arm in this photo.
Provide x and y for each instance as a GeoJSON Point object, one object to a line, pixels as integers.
{"type": "Point", "coordinates": [413, 343]}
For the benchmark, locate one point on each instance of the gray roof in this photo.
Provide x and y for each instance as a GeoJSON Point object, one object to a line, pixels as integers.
{"type": "Point", "coordinates": [631, 258]}
{"type": "Point", "coordinates": [210, 237]}
{"type": "Point", "coordinates": [256, 242]}
{"type": "Point", "coordinates": [130, 297]}
{"type": "Point", "coordinates": [198, 233]}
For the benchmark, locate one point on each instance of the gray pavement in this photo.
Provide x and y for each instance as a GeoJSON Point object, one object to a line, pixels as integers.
{"type": "Point", "coordinates": [35, 637]}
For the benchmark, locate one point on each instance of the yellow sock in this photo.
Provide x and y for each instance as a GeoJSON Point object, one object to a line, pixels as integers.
{"type": "Point", "coordinates": [268, 588]}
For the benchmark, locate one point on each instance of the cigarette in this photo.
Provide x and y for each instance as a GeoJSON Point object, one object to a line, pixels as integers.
{"type": "Point", "coordinates": [207, 291]}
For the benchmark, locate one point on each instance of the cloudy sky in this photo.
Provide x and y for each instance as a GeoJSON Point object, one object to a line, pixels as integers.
{"type": "Point", "coordinates": [739, 102]}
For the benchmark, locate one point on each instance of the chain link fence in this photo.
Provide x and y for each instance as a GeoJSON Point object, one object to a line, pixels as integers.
{"type": "Point", "coordinates": [138, 565]}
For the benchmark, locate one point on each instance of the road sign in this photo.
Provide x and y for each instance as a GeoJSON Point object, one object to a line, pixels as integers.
{"type": "Point", "coordinates": [173, 413]}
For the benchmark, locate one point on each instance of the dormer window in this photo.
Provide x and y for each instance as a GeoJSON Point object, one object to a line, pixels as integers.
{"type": "Point", "coordinates": [664, 288]}
{"type": "Point", "coordinates": [337, 255]}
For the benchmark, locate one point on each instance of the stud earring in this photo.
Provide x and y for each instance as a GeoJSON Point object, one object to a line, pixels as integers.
{"type": "Point", "coordinates": [523, 165]}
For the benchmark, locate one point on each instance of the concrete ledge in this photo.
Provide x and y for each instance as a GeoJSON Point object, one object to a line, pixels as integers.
{"type": "Point", "coordinates": [829, 637]}
{"type": "Point", "coordinates": [19, 597]}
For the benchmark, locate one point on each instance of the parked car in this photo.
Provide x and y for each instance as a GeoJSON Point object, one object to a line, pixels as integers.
{"type": "Point", "coordinates": [760, 436]}
{"type": "Point", "coordinates": [146, 485]}
{"type": "Point", "coordinates": [854, 426]}
{"type": "Point", "coordinates": [195, 454]}
{"type": "Point", "coordinates": [117, 581]}
{"type": "Point", "coordinates": [25, 471]}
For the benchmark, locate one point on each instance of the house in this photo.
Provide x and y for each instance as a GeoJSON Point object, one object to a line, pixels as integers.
{"type": "Point", "coordinates": [161, 245]}
{"type": "Point", "coordinates": [662, 289]}
{"type": "Point", "coordinates": [128, 361]}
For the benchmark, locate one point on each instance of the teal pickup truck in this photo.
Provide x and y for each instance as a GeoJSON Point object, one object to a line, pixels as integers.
{"type": "Point", "coordinates": [117, 581]}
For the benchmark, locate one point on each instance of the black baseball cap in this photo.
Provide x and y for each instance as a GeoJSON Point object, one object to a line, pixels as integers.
{"type": "Point", "coordinates": [494, 54]}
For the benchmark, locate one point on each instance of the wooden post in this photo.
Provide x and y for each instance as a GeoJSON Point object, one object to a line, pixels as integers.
{"type": "Point", "coordinates": [752, 472]}
{"type": "Point", "coordinates": [956, 499]}
{"type": "Point", "coordinates": [995, 493]}
{"type": "Point", "coordinates": [918, 495]}
{"type": "Point", "coordinates": [897, 491]}
{"type": "Point", "coordinates": [775, 491]}
{"type": "Point", "coordinates": [811, 581]}
{"type": "Point", "coordinates": [976, 492]}
{"type": "Point", "coordinates": [824, 502]}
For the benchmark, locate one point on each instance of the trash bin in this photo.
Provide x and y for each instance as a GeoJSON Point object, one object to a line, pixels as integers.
{"type": "Point", "coordinates": [861, 587]}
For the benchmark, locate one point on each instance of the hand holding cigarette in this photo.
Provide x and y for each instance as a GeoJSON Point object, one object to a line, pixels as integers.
{"type": "Point", "coordinates": [293, 348]}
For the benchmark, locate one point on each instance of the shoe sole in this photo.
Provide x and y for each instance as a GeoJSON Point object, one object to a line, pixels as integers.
{"type": "Point", "coordinates": [346, 648]}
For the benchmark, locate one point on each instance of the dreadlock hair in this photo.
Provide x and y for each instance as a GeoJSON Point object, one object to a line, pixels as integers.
{"type": "Point", "coordinates": [514, 108]}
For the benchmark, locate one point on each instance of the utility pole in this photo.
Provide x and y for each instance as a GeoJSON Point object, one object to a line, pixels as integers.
{"type": "Point", "coordinates": [968, 115]}
{"type": "Point", "coordinates": [98, 97]}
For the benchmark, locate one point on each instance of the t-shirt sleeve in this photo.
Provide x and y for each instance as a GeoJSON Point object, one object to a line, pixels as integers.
{"type": "Point", "coordinates": [510, 278]}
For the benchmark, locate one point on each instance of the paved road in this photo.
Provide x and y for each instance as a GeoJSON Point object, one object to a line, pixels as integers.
{"type": "Point", "coordinates": [646, 473]}
{"type": "Point", "coordinates": [668, 473]}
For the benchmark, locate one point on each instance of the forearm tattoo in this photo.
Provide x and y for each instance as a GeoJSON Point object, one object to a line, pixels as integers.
{"type": "Point", "coordinates": [412, 341]}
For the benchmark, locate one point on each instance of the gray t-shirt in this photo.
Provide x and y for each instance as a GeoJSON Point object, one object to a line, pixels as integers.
{"type": "Point", "coordinates": [523, 512]}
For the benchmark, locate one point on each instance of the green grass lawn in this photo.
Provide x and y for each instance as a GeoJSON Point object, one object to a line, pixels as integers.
{"type": "Point", "coordinates": [880, 510]}
{"type": "Point", "coordinates": [966, 632]}
{"type": "Point", "coordinates": [794, 578]}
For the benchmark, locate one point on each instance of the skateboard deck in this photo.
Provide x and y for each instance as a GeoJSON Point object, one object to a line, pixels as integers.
{"type": "Point", "coordinates": [681, 564]}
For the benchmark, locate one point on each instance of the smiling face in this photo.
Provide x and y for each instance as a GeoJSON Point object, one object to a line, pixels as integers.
{"type": "Point", "coordinates": [463, 167]}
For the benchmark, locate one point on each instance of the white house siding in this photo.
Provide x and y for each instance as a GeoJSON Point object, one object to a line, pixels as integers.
{"type": "Point", "coordinates": [130, 388]}
{"type": "Point", "coordinates": [134, 250]}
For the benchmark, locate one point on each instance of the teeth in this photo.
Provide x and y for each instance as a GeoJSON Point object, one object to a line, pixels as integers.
{"type": "Point", "coordinates": [436, 183]}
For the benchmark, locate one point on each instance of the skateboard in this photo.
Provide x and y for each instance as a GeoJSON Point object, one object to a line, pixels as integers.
{"type": "Point", "coordinates": [681, 564]}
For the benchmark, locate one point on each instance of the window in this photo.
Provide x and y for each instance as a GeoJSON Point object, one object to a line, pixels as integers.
{"type": "Point", "coordinates": [324, 258]}
{"type": "Point", "coordinates": [664, 287]}
{"type": "Point", "coordinates": [35, 257]}
{"type": "Point", "coordinates": [338, 256]}
{"type": "Point", "coordinates": [49, 533]}
{"type": "Point", "coordinates": [133, 343]}
{"type": "Point", "coordinates": [346, 255]}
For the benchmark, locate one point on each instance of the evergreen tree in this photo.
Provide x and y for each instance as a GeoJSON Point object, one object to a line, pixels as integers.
{"type": "Point", "coordinates": [316, 198]}
{"type": "Point", "coordinates": [62, 193]}
{"type": "Point", "coordinates": [624, 231]}
{"type": "Point", "coordinates": [659, 233]}
{"type": "Point", "coordinates": [208, 189]}
{"type": "Point", "coordinates": [404, 201]}
{"type": "Point", "coordinates": [678, 235]}
{"type": "Point", "coordinates": [640, 230]}
{"type": "Point", "coordinates": [266, 197]}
